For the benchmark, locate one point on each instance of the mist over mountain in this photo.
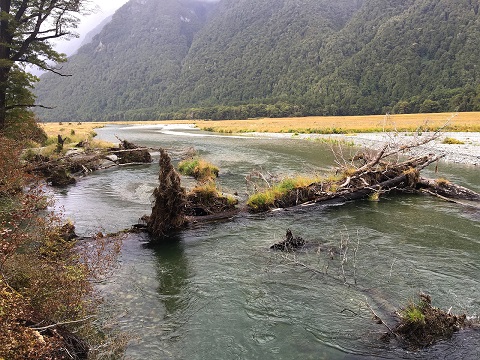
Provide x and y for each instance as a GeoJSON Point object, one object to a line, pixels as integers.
{"type": "Point", "coordinates": [247, 58]}
{"type": "Point", "coordinates": [96, 30]}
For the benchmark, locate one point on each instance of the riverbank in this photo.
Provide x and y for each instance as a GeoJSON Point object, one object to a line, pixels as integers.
{"type": "Point", "coordinates": [466, 151]}
{"type": "Point", "coordinates": [363, 131]}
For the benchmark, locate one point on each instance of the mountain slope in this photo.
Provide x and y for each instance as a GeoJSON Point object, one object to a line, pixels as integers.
{"type": "Point", "coordinates": [130, 62]}
{"type": "Point", "coordinates": [246, 58]}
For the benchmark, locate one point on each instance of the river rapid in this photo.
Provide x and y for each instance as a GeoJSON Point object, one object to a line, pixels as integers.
{"type": "Point", "coordinates": [218, 292]}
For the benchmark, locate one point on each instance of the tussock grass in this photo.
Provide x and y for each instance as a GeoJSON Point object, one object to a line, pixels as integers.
{"type": "Point", "coordinates": [267, 199]}
{"type": "Point", "coordinates": [209, 191]}
{"type": "Point", "coordinates": [452, 141]}
{"type": "Point", "coordinates": [198, 168]}
{"type": "Point", "coordinates": [78, 131]}
{"type": "Point", "coordinates": [466, 121]}
{"type": "Point", "coordinates": [73, 133]}
{"type": "Point", "coordinates": [413, 314]}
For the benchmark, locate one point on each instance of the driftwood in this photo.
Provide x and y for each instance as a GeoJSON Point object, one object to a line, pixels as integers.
{"type": "Point", "coordinates": [63, 170]}
{"type": "Point", "coordinates": [368, 174]}
{"type": "Point", "coordinates": [129, 153]}
{"type": "Point", "coordinates": [447, 190]}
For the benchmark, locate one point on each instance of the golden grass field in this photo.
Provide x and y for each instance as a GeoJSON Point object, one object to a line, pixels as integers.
{"type": "Point", "coordinates": [82, 130]}
{"type": "Point", "coordinates": [349, 124]}
{"type": "Point", "coordinates": [466, 121]}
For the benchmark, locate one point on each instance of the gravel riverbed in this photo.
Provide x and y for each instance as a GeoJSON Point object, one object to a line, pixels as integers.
{"type": "Point", "coordinates": [466, 153]}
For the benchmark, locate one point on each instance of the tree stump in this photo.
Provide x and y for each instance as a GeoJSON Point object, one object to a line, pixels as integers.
{"type": "Point", "coordinates": [168, 212]}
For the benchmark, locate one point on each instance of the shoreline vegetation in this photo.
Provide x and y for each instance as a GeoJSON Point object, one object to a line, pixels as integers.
{"type": "Point", "coordinates": [49, 306]}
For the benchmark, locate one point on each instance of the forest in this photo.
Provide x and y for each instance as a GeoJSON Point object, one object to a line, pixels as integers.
{"type": "Point", "coordinates": [245, 59]}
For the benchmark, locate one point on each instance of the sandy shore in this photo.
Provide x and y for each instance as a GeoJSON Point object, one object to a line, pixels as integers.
{"type": "Point", "coordinates": [467, 153]}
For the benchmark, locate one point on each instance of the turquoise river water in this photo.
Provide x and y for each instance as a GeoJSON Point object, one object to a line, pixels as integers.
{"type": "Point", "coordinates": [218, 292]}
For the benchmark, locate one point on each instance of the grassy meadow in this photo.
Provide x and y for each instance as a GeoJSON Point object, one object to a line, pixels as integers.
{"type": "Point", "coordinates": [348, 124]}
{"type": "Point", "coordinates": [72, 133]}
{"type": "Point", "coordinates": [81, 130]}
{"type": "Point", "coordinates": [466, 121]}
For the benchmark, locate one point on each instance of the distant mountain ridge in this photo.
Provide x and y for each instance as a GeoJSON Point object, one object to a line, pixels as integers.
{"type": "Point", "coordinates": [246, 58]}
{"type": "Point", "coordinates": [96, 30]}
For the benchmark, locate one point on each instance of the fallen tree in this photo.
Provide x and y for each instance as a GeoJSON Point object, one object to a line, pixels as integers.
{"type": "Point", "coordinates": [368, 174]}
{"type": "Point", "coordinates": [61, 170]}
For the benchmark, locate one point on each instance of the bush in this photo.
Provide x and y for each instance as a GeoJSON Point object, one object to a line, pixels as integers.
{"type": "Point", "coordinates": [24, 128]}
{"type": "Point", "coordinates": [45, 275]}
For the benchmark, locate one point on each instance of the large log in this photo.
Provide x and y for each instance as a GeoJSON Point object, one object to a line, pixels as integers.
{"type": "Point", "coordinates": [447, 190]}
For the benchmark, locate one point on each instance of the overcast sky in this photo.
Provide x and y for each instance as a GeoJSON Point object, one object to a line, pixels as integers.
{"type": "Point", "coordinates": [103, 8]}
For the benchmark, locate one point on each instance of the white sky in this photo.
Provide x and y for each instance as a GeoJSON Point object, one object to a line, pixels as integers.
{"type": "Point", "coordinates": [103, 8]}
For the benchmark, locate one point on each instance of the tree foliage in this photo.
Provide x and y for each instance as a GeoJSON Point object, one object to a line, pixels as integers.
{"type": "Point", "coordinates": [26, 28]}
{"type": "Point", "coordinates": [251, 58]}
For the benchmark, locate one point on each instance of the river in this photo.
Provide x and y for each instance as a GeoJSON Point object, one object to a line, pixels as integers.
{"type": "Point", "coordinates": [217, 292]}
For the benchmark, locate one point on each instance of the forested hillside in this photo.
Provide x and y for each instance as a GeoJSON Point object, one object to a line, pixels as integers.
{"type": "Point", "coordinates": [248, 58]}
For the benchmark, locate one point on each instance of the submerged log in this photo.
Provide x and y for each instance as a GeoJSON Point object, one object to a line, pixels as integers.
{"type": "Point", "coordinates": [168, 212]}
